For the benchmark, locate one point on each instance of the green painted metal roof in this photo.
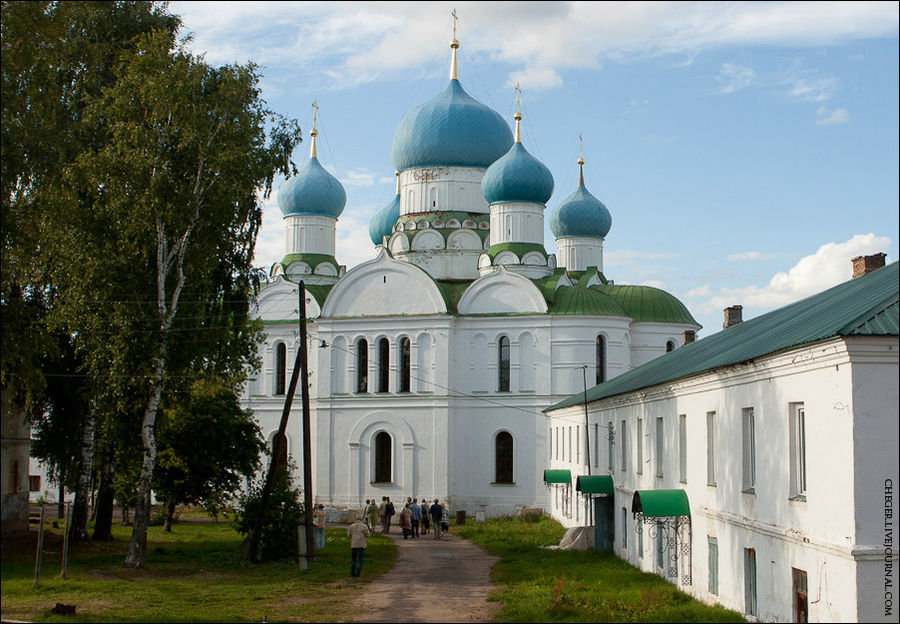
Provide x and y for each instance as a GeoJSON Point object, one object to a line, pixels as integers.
{"type": "Point", "coordinates": [520, 249]}
{"type": "Point", "coordinates": [580, 300]}
{"type": "Point", "coordinates": [557, 476]}
{"type": "Point", "coordinates": [646, 304]}
{"type": "Point", "coordinates": [319, 291]}
{"type": "Point", "coordinates": [660, 503]}
{"type": "Point", "coordinates": [866, 305]}
{"type": "Point", "coordinates": [594, 484]}
{"type": "Point", "coordinates": [312, 259]}
{"type": "Point", "coordinates": [452, 291]}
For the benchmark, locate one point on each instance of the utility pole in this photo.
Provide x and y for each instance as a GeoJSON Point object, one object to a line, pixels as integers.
{"type": "Point", "coordinates": [307, 432]}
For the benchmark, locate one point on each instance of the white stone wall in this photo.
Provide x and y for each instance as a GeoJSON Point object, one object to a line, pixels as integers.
{"type": "Point", "coordinates": [309, 234]}
{"type": "Point", "coordinates": [848, 389]}
{"type": "Point", "coordinates": [435, 189]}
{"type": "Point", "coordinates": [517, 222]}
{"type": "Point", "coordinates": [577, 253]}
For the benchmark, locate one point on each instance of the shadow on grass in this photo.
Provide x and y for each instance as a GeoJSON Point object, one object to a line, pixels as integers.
{"type": "Point", "coordinates": [193, 574]}
{"type": "Point", "coordinates": [540, 585]}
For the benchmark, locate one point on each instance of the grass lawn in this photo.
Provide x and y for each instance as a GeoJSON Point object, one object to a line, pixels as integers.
{"type": "Point", "coordinates": [539, 585]}
{"type": "Point", "coordinates": [194, 574]}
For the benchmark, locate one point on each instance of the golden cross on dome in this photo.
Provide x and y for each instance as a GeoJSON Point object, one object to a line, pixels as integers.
{"type": "Point", "coordinates": [453, 15]}
{"type": "Point", "coordinates": [518, 93]}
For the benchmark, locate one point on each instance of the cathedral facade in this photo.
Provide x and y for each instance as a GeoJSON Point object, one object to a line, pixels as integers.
{"type": "Point", "coordinates": [431, 363]}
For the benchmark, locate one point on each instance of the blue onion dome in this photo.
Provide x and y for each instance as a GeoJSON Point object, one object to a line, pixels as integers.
{"type": "Point", "coordinates": [517, 177]}
{"type": "Point", "coordinates": [452, 130]}
{"type": "Point", "coordinates": [581, 214]}
{"type": "Point", "coordinates": [382, 224]}
{"type": "Point", "coordinates": [313, 191]}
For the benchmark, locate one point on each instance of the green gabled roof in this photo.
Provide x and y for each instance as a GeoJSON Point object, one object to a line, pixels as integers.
{"type": "Point", "coordinates": [580, 300]}
{"type": "Point", "coordinates": [646, 304]}
{"type": "Point", "coordinates": [319, 292]}
{"type": "Point", "coordinates": [452, 292]}
{"type": "Point", "coordinates": [865, 305]}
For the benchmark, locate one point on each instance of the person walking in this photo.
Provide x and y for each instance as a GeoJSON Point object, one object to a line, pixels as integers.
{"type": "Point", "coordinates": [416, 517]}
{"type": "Point", "coordinates": [388, 514]}
{"type": "Point", "coordinates": [445, 518]}
{"type": "Point", "coordinates": [406, 521]}
{"type": "Point", "coordinates": [437, 513]}
{"type": "Point", "coordinates": [372, 515]}
{"type": "Point", "coordinates": [382, 512]}
{"type": "Point", "coordinates": [319, 515]}
{"type": "Point", "coordinates": [423, 509]}
{"type": "Point", "coordinates": [358, 534]}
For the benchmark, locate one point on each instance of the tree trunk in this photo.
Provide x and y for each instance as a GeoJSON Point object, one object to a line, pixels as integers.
{"type": "Point", "coordinates": [138, 549]}
{"type": "Point", "coordinates": [170, 515]}
{"type": "Point", "coordinates": [107, 494]}
{"type": "Point", "coordinates": [78, 528]}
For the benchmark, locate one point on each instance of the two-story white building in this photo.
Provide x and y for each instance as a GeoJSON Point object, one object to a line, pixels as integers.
{"type": "Point", "coordinates": [754, 468]}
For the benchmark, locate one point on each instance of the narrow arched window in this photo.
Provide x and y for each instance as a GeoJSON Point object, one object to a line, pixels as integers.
{"type": "Point", "coordinates": [601, 359]}
{"type": "Point", "coordinates": [383, 457]}
{"type": "Point", "coordinates": [670, 346]}
{"type": "Point", "coordinates": [503, 447]}
{"type": "Point", "coordinates": [503, 364]}
{"type": "Point", "coordinates": [280, 367]}
{"type": "Point", "coordinates": [384, 365]}
{"type": "Point", "coordinates": [362, 366]}
{"type": "Point", "coordinates": [404, 364]}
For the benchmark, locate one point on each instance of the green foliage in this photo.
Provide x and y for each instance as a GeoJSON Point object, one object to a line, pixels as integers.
{"type": "Point", "coordinates": [207, 446]}
{"type": "Point", "coordinates": [278, 538]}
{"type": "Point", "coordinates": [540, 585]}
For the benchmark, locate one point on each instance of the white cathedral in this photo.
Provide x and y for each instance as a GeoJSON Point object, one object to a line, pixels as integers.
{"type": "Point", "coordinates": [430, 364]}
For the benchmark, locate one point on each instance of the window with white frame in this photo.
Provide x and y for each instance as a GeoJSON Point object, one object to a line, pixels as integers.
{"type": "Point", "coordinates": [596, 444]}
{"type": "Point", "coordinates": [578, 444]}
{"type": "Point", "coordinates": [623, 440]}
{"type": "Point", "coordinates": [280, 368]}
{"type": "Point", "coordinates": [624, 528]}
{"type": "Point", "coordinates": [660, 447]}
{"type": "Point", "coordinates": [569, 455]}
{"type": "Point", "coordinates": [682, 448]}
{"type": "Point", "coordinates": [609, 445]}
{"type": "Point", "coordinates": [639, 459]}
{"type": "Point", "coordinates": [748, 450]}
{"type": "Point", "coordinates": [710, 448]}
{"type": "Point", "coordinates": [798, 451]}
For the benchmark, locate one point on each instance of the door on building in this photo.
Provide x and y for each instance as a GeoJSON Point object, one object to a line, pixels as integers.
{"type": "Point", "coordinates": [801, 606]}
{"type": "Point", "coordinates": [604, 524]}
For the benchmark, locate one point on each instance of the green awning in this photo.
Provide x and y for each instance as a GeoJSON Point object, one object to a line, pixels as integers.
{"type": "Point", "coordinates": [594, 484]}
{"type": "Point", "coordinates": [557, 476]}
{"type": "Point", "coordinates": [660, 503]}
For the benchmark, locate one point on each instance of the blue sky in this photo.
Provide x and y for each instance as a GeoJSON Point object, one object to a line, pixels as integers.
{"type": "Point", "coordinates": [746, 151]}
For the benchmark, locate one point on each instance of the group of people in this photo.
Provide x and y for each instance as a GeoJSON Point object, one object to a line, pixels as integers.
{"type": "Point", "coordinates": [415, 519]}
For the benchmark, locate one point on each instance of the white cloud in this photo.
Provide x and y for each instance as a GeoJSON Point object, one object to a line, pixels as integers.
{"type": "Point", "coordinates": [748, 255]}
{"type": "Point", "coordinates": [808, 88]}
{"type": "Point", "coordinates": [827, 118]}
{"type": "Point", "coordinates": [358, 43]}
{"type": "Point", "coordinates": [735, 77]}
{"type": "Point", "coordinates": [270, 239]}
{"type": "Point", "coordinates": [352, 243]}
{"type": "Point", "coordinates": [827, 267]}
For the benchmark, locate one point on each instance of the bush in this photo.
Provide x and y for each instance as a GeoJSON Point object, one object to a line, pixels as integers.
{"type": "Point", "coordinates": [278, 538]}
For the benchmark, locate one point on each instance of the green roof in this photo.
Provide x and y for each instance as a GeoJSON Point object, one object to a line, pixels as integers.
{"type": "Point", "coordinates": [594, 484]}
{"type": "Point", "coordinates": [864, 306]}
{"type": "Point", "coordinates": [660, 503]}
{"type": "Point", "coordinates": [319, 292]}
{"type": "Point", "coordinates": [646, 304]}
{"type": "Point", "coordinates": [452, 291]}
{"type": "Point", "coordinates": [581, 300]}
{"type": "Point", "coordinates": [557, 476]}
{"type": "Point", "coordinates": [312, 259]}
{"type": "Point", "coordinates": [520, 249]}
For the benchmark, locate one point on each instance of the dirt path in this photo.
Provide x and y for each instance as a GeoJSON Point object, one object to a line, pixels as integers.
{"type": "Point", "coordinates": [445, 580]}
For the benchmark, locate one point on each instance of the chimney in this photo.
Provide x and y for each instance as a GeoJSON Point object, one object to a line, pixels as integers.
{"type": "Point", "coordinates": [867, 264]}
{"type": "Point", "coordinates": [733, 316]}
{"type": "Point", "coordinates": [688, 336]}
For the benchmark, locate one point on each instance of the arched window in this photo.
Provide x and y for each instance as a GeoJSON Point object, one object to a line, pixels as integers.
{"type": "Point", "coordinates": [670, 346]}
{"type": "Point", "coordinates": [280, 367]}
{"type": "Point", "coordinates": [503, 364]}
{"type": "Point", "coordinates": [383, 457]}
{"type": "Point", "coordinates": [362, 365]}
{"type": "Point", "coordinates": [404, 364]}
{"type": "Point", "coordinates": [384, 365]}
{"type": "Point", "coordinates": [503, 452]}
{"type": "Point", "coordinates": [601, 359]}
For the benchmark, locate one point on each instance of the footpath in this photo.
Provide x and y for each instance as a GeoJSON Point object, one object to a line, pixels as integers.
{"type": "Point", "coordinates": [446, 580]}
